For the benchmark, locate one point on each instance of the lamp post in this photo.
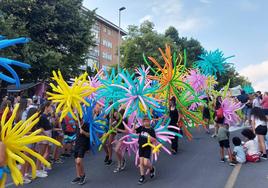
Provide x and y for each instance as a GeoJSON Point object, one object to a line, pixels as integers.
{"type": "Point", "coordinates": [119, 36]}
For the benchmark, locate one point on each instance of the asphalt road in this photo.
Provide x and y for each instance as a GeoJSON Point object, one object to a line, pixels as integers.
{"type": "Point", "coordinates": [195, 166]}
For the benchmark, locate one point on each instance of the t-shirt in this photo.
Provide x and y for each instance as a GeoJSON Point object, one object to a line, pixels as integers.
{"type": "Point", "coordinates": [82, 140]}
{"type": "Point", "coordinates": [223, 134]}
{"type": "Point", "coordinates": [251, 147]}
{"type": "Point", "coordinates": [257, 102]}
{"type": "Point", "coordinates": [265, 102]}
{"type": "Point", "coordinates": [44, 123]}
{"type": "Point", "coordinates": [258, 122]}
{"type": "Point", "coordinates": [240, 154]}
{"type": "Point", "coordinates": [143, 135]}
{"type": "Point", "coordinates": [174, 117]}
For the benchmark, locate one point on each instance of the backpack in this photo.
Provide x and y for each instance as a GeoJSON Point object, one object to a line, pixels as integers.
{"type": "Point", "coordinates": [219, 113]}
{"type": "Point", "coordinates": [70, 124]}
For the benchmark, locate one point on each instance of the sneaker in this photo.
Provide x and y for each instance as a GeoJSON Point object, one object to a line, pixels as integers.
{"type": "Point", "coordinates": [41, 174]}
{"type": "Point", "coordinates": [264, 156]}
{"type": "Point", "coordinates": [232, 163]}
{"type": "Point", "coordinates": [118, 169]}
{"type": "Point", "coordinates": [82, 180]}
{"type": "Point", "coordinates": [109, 163]}
{"type": "Point", "coordinates": [222, 160]}
{"type": "Point", "coordinates": [152, 172]}
{"type": "Point", "coordinates": [26, 180]}
{"type": "Point", "coordinates": [123, 165]}
{"type": "Point", "coordinates": [76, 180]}
{"type": "Point", "coordinates": [213, 136]}
{"type": "Point", "coordinates": [59, 161]}
{"type": "Point", "coordinates": [106, 159]}
{"type": "Point", "coordinates": [141, 180]}
{"type": "Point", "coordinates": [44, 171]}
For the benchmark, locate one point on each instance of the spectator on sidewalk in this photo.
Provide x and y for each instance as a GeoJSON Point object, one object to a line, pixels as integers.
{"type": "Point", "coordinates": [238, 152]}
{"type": "Point", "coordinates": [264, 104]}
{"type": "Point", "coordinates": [251, 146]}
{"type": "Point", "coordinates": [223, 138]}
{"type": "Point", "coordinates": [259, 127]}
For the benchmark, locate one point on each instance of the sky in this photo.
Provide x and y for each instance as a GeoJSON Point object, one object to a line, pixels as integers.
{"type": "Point", "coordinates": [237, 27]}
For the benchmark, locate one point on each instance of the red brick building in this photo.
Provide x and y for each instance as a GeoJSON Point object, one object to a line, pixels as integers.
{"type": "Point", "coordinates": [106, 37]}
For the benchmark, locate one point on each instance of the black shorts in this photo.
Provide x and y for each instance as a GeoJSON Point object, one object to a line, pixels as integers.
{"type": "Point", "coordinates": [261, 130]}
{"type": "Point", "coordinates": [224, 144]}
{"type": "Point", "coordinates": [79, 151]}
{"type": "Point", "coordinates": [265, 111]}
{"type": "Point", "coordinates": [145, 152]}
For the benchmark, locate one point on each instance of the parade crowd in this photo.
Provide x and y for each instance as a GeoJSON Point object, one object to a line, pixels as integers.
{"type": "Point", "coordinates": [74, 135]}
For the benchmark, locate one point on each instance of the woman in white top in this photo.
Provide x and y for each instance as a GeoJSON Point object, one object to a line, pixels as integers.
{"type": "Point", "coordinates": [259, 127]}
{"type": "Point", "coordinates": [256, 101]}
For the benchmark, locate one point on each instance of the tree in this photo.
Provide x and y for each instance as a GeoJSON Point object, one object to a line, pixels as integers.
{"type": "Point", "coordinates": [142, 39]}
{"type": "Point", "coordinates": [234, 77]}
{"type": "Point", "coordinates": [60, 35]}
{"type": "Point", "coordinates": [192, 46]}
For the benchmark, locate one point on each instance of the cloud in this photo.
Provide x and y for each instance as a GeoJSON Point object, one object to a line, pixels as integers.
{"type": "Point", "coordinates": [174, 13]}
{"type": "Point", "coordinates": [257, 74]}
{"type": "Point", "coordinates": [147, 17]}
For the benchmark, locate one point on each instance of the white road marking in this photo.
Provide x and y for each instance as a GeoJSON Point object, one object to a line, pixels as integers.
{"type": "Point", "coordinates": [233, 176]}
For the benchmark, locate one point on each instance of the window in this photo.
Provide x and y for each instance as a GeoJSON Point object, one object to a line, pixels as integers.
{"type": "Point", "coordinates": [107, 56]}
{"type": "Point", "coordinates": [109, 32]}
{"type": "Point", "coordinates": [107, 43]}
{"type": "Point", "coordinates": [94, 52]}
{"type": "Point", "coordinates": [104, 29]}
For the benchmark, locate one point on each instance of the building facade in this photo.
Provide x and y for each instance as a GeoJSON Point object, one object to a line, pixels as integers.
{"type": "Point", "coordinates": [105, 53]}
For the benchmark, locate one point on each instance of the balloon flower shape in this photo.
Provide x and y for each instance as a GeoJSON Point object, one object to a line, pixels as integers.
{"type": "Point", "coordinates": [197, 81]}
{"type": "Point", "coordinates": [16, 139]}
{"type": "Point", "coordinates": [230, 107]}
{"type": "Point", "coordinates": [7, 63]}
{"type": "Point", "coordinates": [98, 125]}
{"type": "Point", "coordinates": [212, 62]}
{"type": "Point", "coordinates": [248, 89]}
{"type": "Point", "coordinates": [135, 95]}
{"type": "Point", "coordinates": [170, 80]}
{"type": "Point", "coordinates": [69, 98]}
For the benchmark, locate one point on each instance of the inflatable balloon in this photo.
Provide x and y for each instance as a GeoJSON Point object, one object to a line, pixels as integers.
{"type": "Point", "coordinates": [171, 81]}
{"type": "Point", "coordinates": [212, 62]}
{"type": "Point", "coordinates": [7, 63]}
{"type": "Point", "coordinates": [98, 125]}
{"type": "Point", "coordinates": [16, 138]}
{"type": "Point", "coordinates": [69, 98]}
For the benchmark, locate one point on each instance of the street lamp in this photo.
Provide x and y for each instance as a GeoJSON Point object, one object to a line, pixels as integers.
{"type": "Point", "coordinates": [119, 36]}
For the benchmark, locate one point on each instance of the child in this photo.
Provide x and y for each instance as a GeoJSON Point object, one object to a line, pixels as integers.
{"type": "Point", "coordinates": [81, 147]}
{"type": "Point", "coordinates": [251, 147]}
{"type": "Point", "coordinates": [238, 153]}
{"type": "Point", "coordinates": [118, 151]}
{"type": "Point", "coordinates": [223, 138]}
{"type": "Point", "coordinates": [145, 152]}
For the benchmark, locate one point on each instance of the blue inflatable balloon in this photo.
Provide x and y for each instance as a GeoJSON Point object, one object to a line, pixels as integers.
{"type": "Point", "coordinates": [7, 63]}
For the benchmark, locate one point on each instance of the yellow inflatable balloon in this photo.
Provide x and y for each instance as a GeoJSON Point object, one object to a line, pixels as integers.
{"type": "Point", "coordinates": [16, 139]}
{"type": "Point", "coordinates": [69, 98]}
{"type": "Point", "coordinates": [156, 149]}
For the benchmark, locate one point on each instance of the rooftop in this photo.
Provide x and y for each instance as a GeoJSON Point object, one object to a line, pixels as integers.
{"type": "Point", "coordinates": [107, 22]}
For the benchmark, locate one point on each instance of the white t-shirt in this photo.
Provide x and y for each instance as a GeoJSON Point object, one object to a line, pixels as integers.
{"type": "Point", "coordinates": [251, 147]}
{"type": "Point", "coordinates": [257, 103]}
{"type": "Point", "coordinates": [258, 122]}
{"type": "Point", "coordinates": [240, 154]}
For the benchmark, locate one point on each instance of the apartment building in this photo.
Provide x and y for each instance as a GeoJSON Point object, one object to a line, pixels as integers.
{"type": "Point", "coordinates": [104, 54]}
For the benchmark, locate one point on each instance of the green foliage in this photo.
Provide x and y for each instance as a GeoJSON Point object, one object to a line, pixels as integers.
{"type": "Point", "coordinates": [144, 39]}
{"type": "Point", "coordinates": [60, 35]}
